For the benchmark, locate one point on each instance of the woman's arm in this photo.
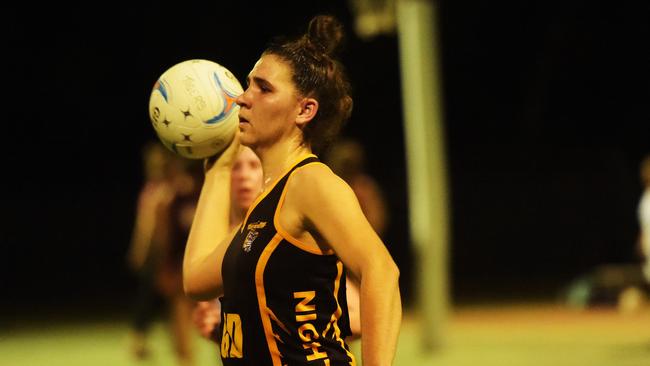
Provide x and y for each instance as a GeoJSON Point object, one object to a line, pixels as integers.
{"type": "Point", "coordinates": [330, 206]}
{"type": "Point", "coordinates": [209, 235]}
{"type": "Point", "coordinates": [150, 200]}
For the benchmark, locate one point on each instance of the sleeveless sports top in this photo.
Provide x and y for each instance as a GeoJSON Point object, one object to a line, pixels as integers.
{"type": "Point", "coordinates": [284, 303]}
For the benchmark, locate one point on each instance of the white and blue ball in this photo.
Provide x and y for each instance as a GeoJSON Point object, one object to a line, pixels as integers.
{"type": "Point", "coordinates": [192, 108]}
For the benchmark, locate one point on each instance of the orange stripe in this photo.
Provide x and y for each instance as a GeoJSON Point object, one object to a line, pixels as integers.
{"type": "Point", "coordinates": [337, 314]}
{"type": "Point", "coordinates": [261, 299]}
{"type": "Point", "coordinates": [285, 234]}
{"type": "Point", "coordinates": [275, 319]}
{"type": "Point", "coordinates": [266, 192]}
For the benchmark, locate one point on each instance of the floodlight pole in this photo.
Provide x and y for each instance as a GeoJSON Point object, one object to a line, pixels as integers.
{"type": "Point", "coordinates": [425, 155]}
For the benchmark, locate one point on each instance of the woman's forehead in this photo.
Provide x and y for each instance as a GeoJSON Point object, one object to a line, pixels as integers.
{"type": "Point", "coordinates": [271, 68]}
{"type": "Point", "coordinates": [246, 154]}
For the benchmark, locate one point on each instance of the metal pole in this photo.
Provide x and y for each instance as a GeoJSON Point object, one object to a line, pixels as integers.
{"type": "Point", "coordinates": [425, 155]}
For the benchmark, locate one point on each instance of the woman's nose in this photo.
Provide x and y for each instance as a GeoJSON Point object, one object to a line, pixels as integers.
{"type": "Point", "coordinates": [241, 99]}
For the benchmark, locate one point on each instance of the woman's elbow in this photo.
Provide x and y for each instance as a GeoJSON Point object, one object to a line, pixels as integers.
{"type": "Point", "coordinates": [198, 289]}
{"type": "Point", "coordinates": [392, 271]}
{"type": "Point", "coordinates": [192, 288]}
{"type": "Point", "coordinates": [196, 293]}
{"type": "Point", "coordinates": [387, 270]}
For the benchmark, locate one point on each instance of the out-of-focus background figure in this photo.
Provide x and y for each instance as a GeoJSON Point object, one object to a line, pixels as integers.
{"type": "Point", "coordinates": [347, 158]}
{"type": "Point", "coordinates": [624, 286]}
{"type": "Point", "coordinates": [644, 217]}
{"type": "Point", "coordinates": [164, 213]}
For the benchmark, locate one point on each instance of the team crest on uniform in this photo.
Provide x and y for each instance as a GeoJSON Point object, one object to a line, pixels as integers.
{"type": "Point", "coordinates": [252, 234]}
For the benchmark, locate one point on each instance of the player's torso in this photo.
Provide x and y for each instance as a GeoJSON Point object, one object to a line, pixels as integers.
{"type": "Point", "coordinates": [284, 303]}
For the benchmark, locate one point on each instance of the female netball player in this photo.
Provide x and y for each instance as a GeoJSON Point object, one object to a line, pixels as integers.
{"type": "Point", "coordinates": [280, 274]}
{"type": "Point", "coordinates": [245, 186]}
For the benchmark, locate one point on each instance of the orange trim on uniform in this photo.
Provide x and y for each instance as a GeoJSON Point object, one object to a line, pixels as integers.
{"type": "Point", "coordinates": [275, 318]}
{"type": "Point", "coordinates": [261, 299]}
{"type": "Point", "coordinates": [337, 314]}
{"type": "Point", "coordinates": [266, 192]}
{"type": "Point", "coordinates": [285, 234]}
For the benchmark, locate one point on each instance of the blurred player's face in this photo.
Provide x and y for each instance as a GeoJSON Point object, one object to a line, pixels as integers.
{"type": "Point", "coordinates": [245, 180]}
{"type": "Point", "coordinates": [269, 105]}
{"type": "Point", "coordinates": [155, 164]}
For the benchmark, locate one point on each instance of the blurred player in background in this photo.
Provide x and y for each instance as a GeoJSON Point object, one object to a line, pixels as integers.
{"type": "Point", "coordinates": [347, 159]}
{"type": "Point", "coordinates": [164, 214]}
{"type": "Point", "coordinates": [644, 216]}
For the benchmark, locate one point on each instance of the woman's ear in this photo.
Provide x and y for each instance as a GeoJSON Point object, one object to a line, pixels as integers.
{"type": "Point", "coordinates": [307, 112]}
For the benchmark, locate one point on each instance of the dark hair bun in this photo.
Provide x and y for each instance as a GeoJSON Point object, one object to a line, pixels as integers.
{"type": "Point", "coordinates": [325, 33]}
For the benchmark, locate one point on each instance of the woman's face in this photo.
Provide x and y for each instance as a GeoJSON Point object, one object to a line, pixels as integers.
{"type": "Point", "coordinates": [269, 105]}
{"type": "Point", "coordinates": [245, 179]}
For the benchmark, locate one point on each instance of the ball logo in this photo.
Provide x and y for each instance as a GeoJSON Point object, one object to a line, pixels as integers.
{"type": "Point", "coordinates": [199, 102]}
{"type": "Point", "coordinates": [190, 86]}
{"type": "Point", "coordinates": [230, 76]}
{"type": "Point", "coordinates": [191, 90]}
{"type": "Point", "coordinates": [155, 114]}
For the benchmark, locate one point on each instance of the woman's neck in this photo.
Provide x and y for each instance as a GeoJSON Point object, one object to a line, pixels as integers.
{"type": "Point", "coordinates": [277, 159]}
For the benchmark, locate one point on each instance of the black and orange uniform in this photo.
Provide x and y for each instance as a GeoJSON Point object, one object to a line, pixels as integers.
{"type": "Point", "coordinates": [284, 303]}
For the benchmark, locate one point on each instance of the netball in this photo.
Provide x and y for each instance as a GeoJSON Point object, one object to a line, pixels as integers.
{"type": "Point", "coordinates": [192, 108]}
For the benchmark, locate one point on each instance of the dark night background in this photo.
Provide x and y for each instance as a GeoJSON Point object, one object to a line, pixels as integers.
{"type": "Point", "coordinates": [546, 117]}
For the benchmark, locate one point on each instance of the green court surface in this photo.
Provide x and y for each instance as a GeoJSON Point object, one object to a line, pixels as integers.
{"type": "Point", "coordinates": [529, 335]}
{"type": "Point", "coordinates": [518, 335]}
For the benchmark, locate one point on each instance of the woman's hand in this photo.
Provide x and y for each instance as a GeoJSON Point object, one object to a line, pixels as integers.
{"type": "Point", "coordinates": [226, 158]}
{"type": "Point", "coordinates": [207, 316]}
